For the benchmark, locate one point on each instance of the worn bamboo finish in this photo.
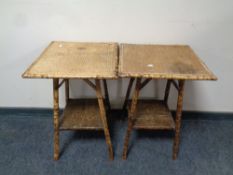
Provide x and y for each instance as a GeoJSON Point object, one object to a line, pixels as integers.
{"type": "Point", "coordinates": [87, 114]}
{"type": "Point", "coordinates": [67, 60]}
{"type": "Point", "coordinates": [153, 114]}
{"type": "Point", "coordinates": [178, 119]}
{"type": "Point", "coordinates": [131, 117]}
{"type": "Point", "coordinates": [81, 114]}
{"type": "Point", "coordinates": [128, 93]}
{"type": "Point", "coordinates": [56, 117]}
{"type": "Point", "coordinates": [162, 61]}
{"type": "Point", "coordinates": [171, 62]}
{"type": "Point", "coordinates": [76, 60]}
{"type": "Point", "coordinates": [104, 119]}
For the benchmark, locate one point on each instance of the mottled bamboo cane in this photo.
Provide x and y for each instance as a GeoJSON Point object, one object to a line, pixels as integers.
{"type": "Point", "coordinates": [178, 119]}
{"type": "Point", "coordinates": [130, 117]}
{"type": "Point", "coordinates": [104, 119]}
{"type": "Point", "coordinates": [56, 117]}
{"type": "Point", "coordinates": [106, 95]}
{"type": "Point", "coordinates": [67, 90]}
{"type": "Point", "coordinates": [128, 93]}
{"type": "Point", "coordinates": [167, 91]}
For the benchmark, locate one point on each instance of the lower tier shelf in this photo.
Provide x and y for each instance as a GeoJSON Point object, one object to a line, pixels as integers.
{"type": "Point", "coordinates": [81, 114]}
{"type": "Point", "coordinates": [153, 114]}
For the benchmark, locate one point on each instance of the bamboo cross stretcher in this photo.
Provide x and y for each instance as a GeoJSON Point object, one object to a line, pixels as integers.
{"type": "Point", "coordinates": [171, 62]}
{"type": "Point", "coordinates": [72, 60]}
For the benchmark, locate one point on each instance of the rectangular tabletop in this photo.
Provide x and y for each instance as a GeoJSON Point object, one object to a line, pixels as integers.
{"type": "Point", "coordinates": [76, 60]}
{"type": "Point", "coordinates": [162, 61]}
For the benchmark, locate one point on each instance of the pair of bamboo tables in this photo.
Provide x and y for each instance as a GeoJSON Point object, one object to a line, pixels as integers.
{"type": "Point", "coordinates": [95, 63]}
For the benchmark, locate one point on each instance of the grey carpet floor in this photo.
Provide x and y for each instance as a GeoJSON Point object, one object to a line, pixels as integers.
{"type": "Point", "coordinates": [26, 147]}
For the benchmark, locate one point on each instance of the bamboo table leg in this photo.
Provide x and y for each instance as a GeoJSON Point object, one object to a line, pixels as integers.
{"type": "Point", "coordinates": [56, 117]}
{"type": "Point", "coordinates": [130, 118]}
{"type": "Point", "coordinates": [167, 91]}
{"type": "Point", "coordinates": [106, 95]}
{"type": "Point", "coordinates": [103, 118]}
{"type": "Point", "coordinates": [178, 119]}
{"type": "Point", "coordinates": [128, 93]}
{"type": "Point", "coordinates": [67, 90]}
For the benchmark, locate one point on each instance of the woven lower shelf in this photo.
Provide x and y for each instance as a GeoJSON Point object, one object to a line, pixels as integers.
{"type": "Point", "coordinates": [81, 114]}
{"type": "Point", "coordinates": [153, 114]}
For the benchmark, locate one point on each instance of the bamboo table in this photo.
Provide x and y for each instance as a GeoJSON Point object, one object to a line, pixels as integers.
{"type": "Point", "coordinates": [171, 62]}
{"type": "Point", "coordinates": [71, 60]}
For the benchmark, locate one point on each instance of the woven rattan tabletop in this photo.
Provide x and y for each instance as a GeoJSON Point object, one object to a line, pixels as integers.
{"type": "Point", "coordinates": [162, 61]}
{"type": "Point", "coordinates": [76, 60]}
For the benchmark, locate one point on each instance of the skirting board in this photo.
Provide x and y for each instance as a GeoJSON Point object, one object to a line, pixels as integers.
{"type": "Point", "coordinates": [46, 112]}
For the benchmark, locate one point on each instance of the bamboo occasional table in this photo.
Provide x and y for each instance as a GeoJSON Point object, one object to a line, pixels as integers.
{"type": "Point", "coordinates": [171, 62]}
{"type": "Point", "coordinates": [71, 60]}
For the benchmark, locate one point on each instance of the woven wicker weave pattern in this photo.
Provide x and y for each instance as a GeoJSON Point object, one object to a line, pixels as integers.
{"type": "Point", "coordinates": [162, 61]}
{"type": "Point", "coordinates": [76, 60]}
